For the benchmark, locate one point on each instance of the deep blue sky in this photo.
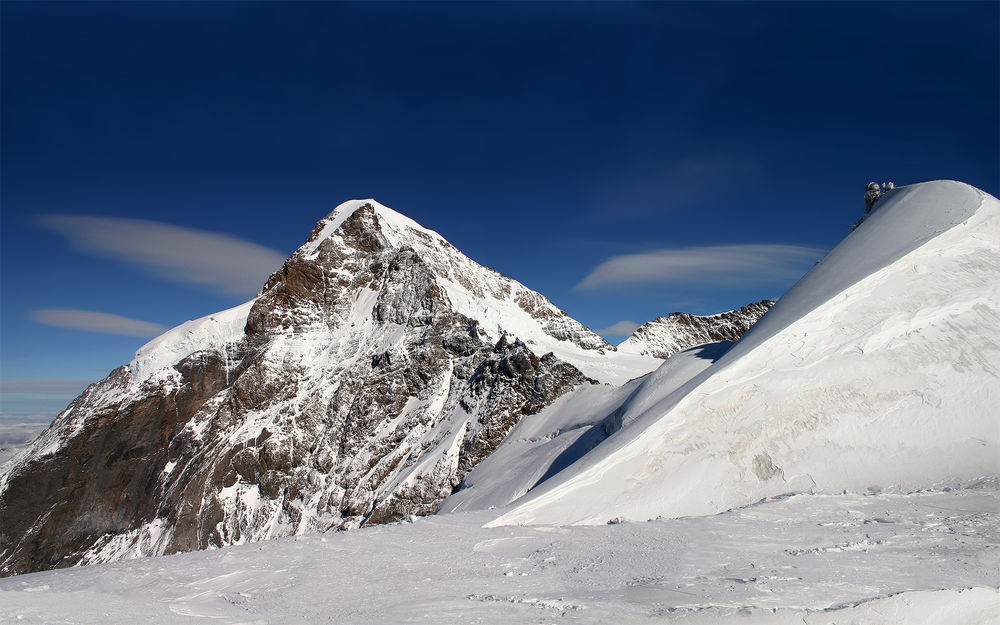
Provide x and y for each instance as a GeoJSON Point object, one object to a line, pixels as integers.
{"type": "Point", "coordinates": [540, 138]}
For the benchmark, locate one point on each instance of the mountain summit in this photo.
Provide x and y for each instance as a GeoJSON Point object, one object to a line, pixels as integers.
{"type": "Point", "coordinates": [372, 372]}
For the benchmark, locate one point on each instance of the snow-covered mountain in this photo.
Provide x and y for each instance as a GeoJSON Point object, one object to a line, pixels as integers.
{"type": "Point", "coordinates": [879, 371]}
{"type": "Point", "coordinates": [374, 370]}
{"type": "Point", "coordinates": [665, 336]}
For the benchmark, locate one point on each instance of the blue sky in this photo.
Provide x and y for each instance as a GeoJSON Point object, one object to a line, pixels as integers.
{"type": "Point", "coordinates": [625, 159]}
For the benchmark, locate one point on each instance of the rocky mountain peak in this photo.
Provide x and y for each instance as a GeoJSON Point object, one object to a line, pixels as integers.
{"type": "Point", "coordinates": [666, 336]}
{"type": "Point", "coordinates": [361, 240]}
{"type": "Point", "coordinates": [376, 367]}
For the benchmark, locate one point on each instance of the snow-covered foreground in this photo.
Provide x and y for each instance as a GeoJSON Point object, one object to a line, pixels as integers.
{"type": "Point", "coordinates": [805, 558]}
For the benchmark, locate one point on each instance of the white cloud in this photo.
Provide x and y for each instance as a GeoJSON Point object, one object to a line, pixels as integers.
{"type": "Point", "coordinates": [90, 321]}
{"type": "Point", "coordinates": [621, 328]}
{"type": "Point", "coordinates": [717, 264]}
{"type": "Point", "coordinates": [14, 436]}
{"type": "Point", "coordinates": [232, 265]}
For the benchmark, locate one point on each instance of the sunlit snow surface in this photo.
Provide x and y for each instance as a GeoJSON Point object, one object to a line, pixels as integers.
{"type": "Point", "coordinates": [210, 332]}
{"type": "Point", "coordinates": [878, 371]}
{"type": "Point", "coordinates": [807, 558]}
{"type": "Point", "coordinates": [542, 445]}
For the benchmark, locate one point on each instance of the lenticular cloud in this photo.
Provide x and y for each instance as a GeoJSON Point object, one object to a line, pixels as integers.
{"type": "Point", "coordinates": [721, 264]}
{"type": "Point", "coordinates": [91, 321]}
{"type": "Point", "coordinates": [219, 261]}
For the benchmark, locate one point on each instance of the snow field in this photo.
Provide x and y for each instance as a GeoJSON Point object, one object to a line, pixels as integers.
{"type": "Point", "coordinates": [878, 559]}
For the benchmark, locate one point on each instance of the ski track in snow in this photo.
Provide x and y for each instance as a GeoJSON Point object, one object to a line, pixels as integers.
{"type": "Point", "coordinates": [799, 559]}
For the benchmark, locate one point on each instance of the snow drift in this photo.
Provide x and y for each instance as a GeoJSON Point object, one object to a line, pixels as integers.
{"type": "Point", "coordinates": [878, 371]}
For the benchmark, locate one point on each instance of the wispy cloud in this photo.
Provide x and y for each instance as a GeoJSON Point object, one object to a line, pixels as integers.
{"type": "Point", "coordinates": [219, 261]}
{"type": "Point", "coordinates": [13, 436]}
{"type": "Point", "coordinates": [718, 265]}
{"type": "Point", "coordinates": [622, 328]}
{"type": "Point", "coordinates": [16, 431]}
{"type": "Point", "coordinates": [60, 388]}
{"type": "Point", "coordinates": [90, 321]}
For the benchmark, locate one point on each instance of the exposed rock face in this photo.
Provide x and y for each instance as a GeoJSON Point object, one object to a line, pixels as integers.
{"type": "Point", "coordinates": [665, 336]}
{"type": "Point", "coordinates": [374, 370]}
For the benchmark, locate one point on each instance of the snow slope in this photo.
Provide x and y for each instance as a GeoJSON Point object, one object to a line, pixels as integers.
{"type": "Point", "coordinates": [922, 559]}
{"type": "Point", "coordinates": [542, 445]}
{"type": "Point", "coordinates": [212, 332]}
{"type": "Point", "coordinates": [878, 371]}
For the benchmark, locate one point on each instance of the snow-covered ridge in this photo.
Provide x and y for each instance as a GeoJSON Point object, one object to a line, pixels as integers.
{"type": "Point", "coordinates": [207, 333]}
{"type": "Point", "coordinates": [876, 372]}
{"type": "Point", "coordinates": [565, 431]}
{"type": "Point", "coordinates": [666, 336]}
